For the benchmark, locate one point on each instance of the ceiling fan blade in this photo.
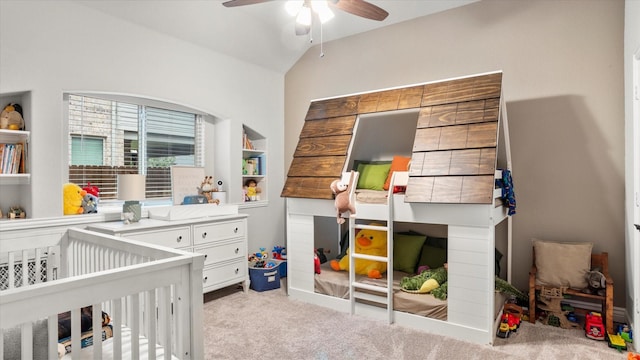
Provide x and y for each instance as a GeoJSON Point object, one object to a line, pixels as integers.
{"type": "Point", "coordinates": [361, 8]}
{"type": "Point", "coordinates": [233, 3]}
{"type": "Point", "coordinates": [302, 29]}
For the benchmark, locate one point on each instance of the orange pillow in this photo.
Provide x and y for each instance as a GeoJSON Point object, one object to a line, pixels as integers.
{"type": "Point", "coordinates": [399, 163]}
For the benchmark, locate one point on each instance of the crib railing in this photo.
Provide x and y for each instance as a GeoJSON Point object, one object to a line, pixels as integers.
{"type": "Point", "coordinates": [152, 294]}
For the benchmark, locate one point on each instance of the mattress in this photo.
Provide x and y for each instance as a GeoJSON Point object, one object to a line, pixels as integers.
{"type": "Point", "coordinates": [336, 283]}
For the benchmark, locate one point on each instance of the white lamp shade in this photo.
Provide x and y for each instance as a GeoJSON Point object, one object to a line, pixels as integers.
{"type": "Point", "coordinates": [131, 187]}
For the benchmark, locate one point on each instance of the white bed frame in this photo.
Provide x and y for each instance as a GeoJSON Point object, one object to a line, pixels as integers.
{"type": "Point", "coordinates": [471, 313]}
{"type": "Point", "coordinates": [125, 278]}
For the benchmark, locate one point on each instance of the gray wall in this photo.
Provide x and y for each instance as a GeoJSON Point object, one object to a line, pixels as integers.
{"type": "Point", "coordinates": [563, 86]}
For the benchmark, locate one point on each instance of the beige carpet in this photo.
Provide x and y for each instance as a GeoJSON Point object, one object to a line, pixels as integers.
{"type": "Point", "coordinates": [269, 325]}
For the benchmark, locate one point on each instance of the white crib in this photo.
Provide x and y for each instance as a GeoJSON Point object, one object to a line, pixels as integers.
{"type": "Point", "coordinates": [152, 294]}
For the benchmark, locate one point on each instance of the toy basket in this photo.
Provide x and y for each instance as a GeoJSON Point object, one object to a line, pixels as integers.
{"type": "Point", "coordinates": [263, 279]}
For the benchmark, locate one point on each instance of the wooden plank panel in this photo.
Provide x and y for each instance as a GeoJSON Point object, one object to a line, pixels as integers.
{"type": "Point", "coordinates": [424, 116]}
{"type": "Point", "coordinates": [368, 103]}
{"type": "Point", "coordinates": [470, 112]}
{"type": "Point", "coordinates": [460, 90]}
{"type": "Point", "coordinates": [487, 161]}
{"type": "Point", "coordinates": [487, 86]}
{"type": "Point", "coordinates": [415, 166]}
{"type": "Point", "coordinates": [477, 190]}
{"type": "Point", "coordinates": [491, 109]}
{"type": "Point", "coordinates": [434, 94]}
{"type": "Point", "coordinates": [426, 139]}
{"type": "Point", "coordinates": [333, 108]}
{"type": "Point", "coordinates": [467, 89]}
{"type": "Point", "coordinates": [410, 97]}
{"type": "Point", "coordinates": [389, 100]}
{"type": "Point", "coordinates": [436, 163]}
{"type": "Point", "coordinates": [323, 146]}
{"type": "Point", "coordinates": [465, 162]}
{"type": "Point", "coordinates": [443, 115]}
{"type": "Point", "coordinates": [308, 187]}
{"type": "Point", "coordinates": [482, 135]}
{"type": "Point", "coordinates": [419, 189]}
{"type": "Point", "coordinates": [317, 166]}
{"type": "Point", "coordinates": [327, 127]}
{"type": "Point", "coordinates": [447, 189]}
{"type": "Point", "coordinates": [453, 137]}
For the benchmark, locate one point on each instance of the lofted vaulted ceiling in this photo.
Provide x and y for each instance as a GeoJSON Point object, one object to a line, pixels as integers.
{"type": "Point", "coordinates": [261, 34]}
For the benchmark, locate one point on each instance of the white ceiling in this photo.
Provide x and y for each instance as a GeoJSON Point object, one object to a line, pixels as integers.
{"type": "Point", "coordinates": [263, 33]}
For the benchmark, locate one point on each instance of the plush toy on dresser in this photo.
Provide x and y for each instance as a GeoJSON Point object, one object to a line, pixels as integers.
{"type": "Point", "coordinates": [369, 242]}
{"type": "Point", "coordinates": [72, 196]}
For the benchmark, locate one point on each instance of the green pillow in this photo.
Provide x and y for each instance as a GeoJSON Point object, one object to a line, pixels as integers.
{"type": "Point", "coordinates": [372, 176]}
{"type": "Point", "coordinates": [406, 251]}
{"type": "Point", "coordinates": [433, 257]}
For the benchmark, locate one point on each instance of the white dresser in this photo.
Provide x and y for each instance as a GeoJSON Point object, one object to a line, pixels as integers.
{"type": "Point", "coordinates": [222, 239]}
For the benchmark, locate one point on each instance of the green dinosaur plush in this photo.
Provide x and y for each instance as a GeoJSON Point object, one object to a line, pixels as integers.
{"type": "Point", "coordinates": [434, 281]}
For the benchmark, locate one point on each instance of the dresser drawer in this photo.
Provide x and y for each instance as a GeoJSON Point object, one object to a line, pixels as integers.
{"type": "Point", "coordinates": [226, 251]}
{"type": "Point", "coordinates": [223, 230]}
{"type": "Point", "coordinates": [231, 272]}
{"type": "Point", "coordinates": [174, 237]}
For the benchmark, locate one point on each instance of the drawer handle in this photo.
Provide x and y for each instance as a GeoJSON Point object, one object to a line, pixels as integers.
{"type": "Point", "coordinates": [205, 279]}
{"type": "Point", "coordinates": [205, 256]}
{"type": "Point", "coordinates": [204, 235]}
{"type": "Point", "coordinates": [235, 230]}
{"type": "Point", "coordinates": [237, 270]}
{"type": "Point", "coordinates": [237, 250]}
{"type": "Point", "coordinates": [179, 238]}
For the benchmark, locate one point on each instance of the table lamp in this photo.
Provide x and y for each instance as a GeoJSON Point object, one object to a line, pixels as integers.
{"type": "Point", "coordinates": [131, 189]}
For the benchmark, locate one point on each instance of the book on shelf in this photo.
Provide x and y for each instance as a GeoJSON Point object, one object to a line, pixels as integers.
{"type": "Point", "coordinates": [248, 144]}
{"type": "Point", "coordinates": [12, 158]}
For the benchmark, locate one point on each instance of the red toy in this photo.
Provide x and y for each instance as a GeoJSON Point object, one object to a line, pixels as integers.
{"type": "Point", "coordinates": [316, 262]}
{"type": "Point", "coordinates": [594, 328]}
{"type": "Point", "coordinates": [92, 189]}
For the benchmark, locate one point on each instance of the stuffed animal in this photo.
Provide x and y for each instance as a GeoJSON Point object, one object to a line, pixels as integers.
{"type": "Point", "coordinates": [11, 117]}
{"type": "Point", "coordinates": [72, 196]}
{"type": "Point", "coordinates": [342, 198]}
{"type": "Point", "coordinates": [370, 242]}
{"type": "Point", "coordinates": [596, 283]}
{"type": "Point", "coordinates": [89, 204]}
{"type": "Point", "coordinates": [428, 281]}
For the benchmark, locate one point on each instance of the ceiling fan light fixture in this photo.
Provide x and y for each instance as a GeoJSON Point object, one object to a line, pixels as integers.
{"type": "Point", "coordinates": [304, 16]}
{"type": "Point", "coordinates": [321, 8]}
{"type": "Point", "coordinates": [293, 7]}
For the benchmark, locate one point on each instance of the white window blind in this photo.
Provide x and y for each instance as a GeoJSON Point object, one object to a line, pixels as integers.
{"type": "Point", "coordinates": [107, 138]}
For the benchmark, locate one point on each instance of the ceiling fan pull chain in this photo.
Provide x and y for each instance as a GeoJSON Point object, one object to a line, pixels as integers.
{"type": "Point", "coordinates": [321, 42]}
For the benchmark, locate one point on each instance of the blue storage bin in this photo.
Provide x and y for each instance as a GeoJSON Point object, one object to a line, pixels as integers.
{"type": "Point", "coordinates": [263, 279]}
{"type": "Point", "coordinates": [282, 267]}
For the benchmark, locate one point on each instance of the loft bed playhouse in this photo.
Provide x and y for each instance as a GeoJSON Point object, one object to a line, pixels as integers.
{"type": "Point", "coordinates": [456, 135]}
{"type": "Point", "coordinates": [143, 301]}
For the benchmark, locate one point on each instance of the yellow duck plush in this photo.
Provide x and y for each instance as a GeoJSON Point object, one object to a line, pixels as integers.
{"type": "Point", "coordinates": [370, 242]}
{"type": "Point", "coordinates": [72, 196]}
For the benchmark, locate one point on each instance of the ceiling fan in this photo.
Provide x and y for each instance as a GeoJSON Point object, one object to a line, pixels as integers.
{"type": "Point", "coordinates": [303, 9]}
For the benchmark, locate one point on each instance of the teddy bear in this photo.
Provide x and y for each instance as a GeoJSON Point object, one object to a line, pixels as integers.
{"type": "Point", "coordinates": [369, 242]}
{"type": "Point", "coordinates": [72, 196]}
{"type": "Point", "coordinates": [342, 198]}
{"type": "Point", "coordinates": [596, 282]}
{"type": "Point", "coordinates": [11, 117]}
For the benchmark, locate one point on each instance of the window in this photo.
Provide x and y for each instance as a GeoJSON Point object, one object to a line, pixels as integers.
{"type": "Point", "coordinates": [108, 137]}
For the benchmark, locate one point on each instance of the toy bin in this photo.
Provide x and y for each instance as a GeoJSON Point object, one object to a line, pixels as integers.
{"type": "Point", "coordinates": [263, 279]}
{"type": "Point", "coordinates": [282, 268]}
